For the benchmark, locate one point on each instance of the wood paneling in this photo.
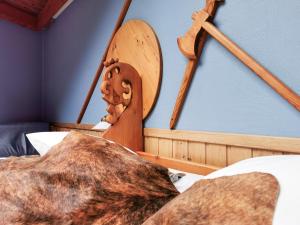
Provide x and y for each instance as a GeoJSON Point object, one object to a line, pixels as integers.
{"type": "Point", "coordinates": [197, 152]}
{"type": "Point", "coordinates": [216, 155]}
{"type": "Point", "coordinates": [151, 145]}
{"type": "Point", "coordinates": [235, 154]}
{"type": "Point", "coordinates": [180, 150]}
{"type": "Point", "coordinates": [259, 152]}
{"type": "Point", "coordinates": [199, 148]}
{"type": "Point", "coordinates": [165, 147]}
{"type": "Point", "coordinates": [280, 144]}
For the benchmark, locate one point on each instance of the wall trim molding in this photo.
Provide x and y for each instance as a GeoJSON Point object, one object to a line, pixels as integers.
{"type": "Point", "coordinates": [201, 148]}
{"type": "Point", "coordinates": [240, 140]}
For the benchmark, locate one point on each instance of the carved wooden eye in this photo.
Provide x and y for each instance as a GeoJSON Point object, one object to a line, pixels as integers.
{"type": "Point", "coordinates": [117, 70]}
{"type": "Point", "coordinates": [109, 75]}
{"type": "Point", "coordinates": [128, 92]}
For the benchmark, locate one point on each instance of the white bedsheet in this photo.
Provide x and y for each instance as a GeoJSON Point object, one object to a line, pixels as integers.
{"type": "Point", "coordinates": [187, 181]}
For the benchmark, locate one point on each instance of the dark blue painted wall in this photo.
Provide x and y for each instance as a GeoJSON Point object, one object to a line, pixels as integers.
{"type": "Point", "coordinates": [20, 74]}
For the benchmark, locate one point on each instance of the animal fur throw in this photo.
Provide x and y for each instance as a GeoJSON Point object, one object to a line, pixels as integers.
{"type": "Point", "coordinates": [246, 199]}
{"type": "Point", "coordinates": [82, 180]}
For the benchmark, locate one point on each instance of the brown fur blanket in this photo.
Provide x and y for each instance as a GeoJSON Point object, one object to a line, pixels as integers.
{"type": "Point", "coordinates": [82, 180]}
{"type": "Point", "coordinates": [246, 199]}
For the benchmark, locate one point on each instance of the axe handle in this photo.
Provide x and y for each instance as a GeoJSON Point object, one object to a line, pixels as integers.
{"type": "Point", "coordinates": [283, 90]}
{"type": "Point", "coordinates": [187, 78]}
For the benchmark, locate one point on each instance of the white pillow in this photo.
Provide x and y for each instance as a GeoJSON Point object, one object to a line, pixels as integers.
{"type": "Point", "coordinates": [286, 169]}
{"type": "Point", "coordinates": [101, 126]}
{"type": "Point", "coordinates": [43, 141]}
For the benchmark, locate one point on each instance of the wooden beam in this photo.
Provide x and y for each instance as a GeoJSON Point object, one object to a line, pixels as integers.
{"type": "Point", "coordinates": [17, 16]}
{"type": "Point", "coordinates": [73, 126]}
{"type": "Point", "coordinates": [186, 166]}
{"type": "Point", "coordinates": [46, 15]}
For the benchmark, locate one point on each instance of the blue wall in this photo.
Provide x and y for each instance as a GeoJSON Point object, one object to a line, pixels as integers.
{"type": "Point", "coordinates": [225, 96]}
{"type": "Point", "coordinates": [73, 48]}
{"type": "Point", "coordinates": [20, 74]}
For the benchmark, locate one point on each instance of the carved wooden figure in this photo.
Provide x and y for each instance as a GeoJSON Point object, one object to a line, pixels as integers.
{"type": "Point", "coordinates": [122, 90]}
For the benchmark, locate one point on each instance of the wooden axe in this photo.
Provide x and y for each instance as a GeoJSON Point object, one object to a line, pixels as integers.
{"type": "Point", "coordinates": [198, 43]}
{"type": "Point", "coordinates": [187, 46]}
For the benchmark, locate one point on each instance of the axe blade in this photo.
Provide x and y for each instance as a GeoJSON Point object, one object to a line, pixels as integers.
{"type": "Point", "coordinates": [188, 44]}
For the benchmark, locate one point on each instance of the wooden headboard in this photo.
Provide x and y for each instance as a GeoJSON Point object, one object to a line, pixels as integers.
{"type": "Point", "coordinates": [200, 152]}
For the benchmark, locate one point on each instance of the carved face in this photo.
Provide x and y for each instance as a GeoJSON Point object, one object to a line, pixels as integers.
{"type": "Point", "coordinates": [116, 90]}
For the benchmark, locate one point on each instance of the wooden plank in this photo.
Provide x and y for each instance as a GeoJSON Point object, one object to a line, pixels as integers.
{"type": "Point", "coordinates": [268, 143]}
{"type": "Point", "coordinates": [73, 126]}
{"type": "Point", "coordinates": [280, 144]}
{"type": "Point", "coordinates": [196, 152]}
{"type": "Point", "coordinates": [179, 164]}
{"type": "Point", "coordinates": [165, 147]}
{"type": "Point", "coordinates": [151, 145]}
{"type": "Point", "coordinates": [180, 150]}
{"type": "Point", "coordinates": [235, 154]}
{"type": "Point", "coordinates": [216, 155]}
{"type": "Point", "coordinates": [289, 153]}
{"type": "Point", "coordinates": [46, 15]}
{"type": "Point", "coordinates": [17, 16]}
{"type": "Point", "coordinates": [260, 152]}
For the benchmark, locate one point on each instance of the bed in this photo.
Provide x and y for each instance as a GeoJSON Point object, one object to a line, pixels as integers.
{"type": "Point", "coordinates": [283, 167]}
{"type": "Point", "coordinates": [13, 141]}
{"type": "Point", "coordinates": [86, 179]}
{"type": "Point", "coordinates": [260, 190]}
{"type": "Point", "coordinates": [129, 175]}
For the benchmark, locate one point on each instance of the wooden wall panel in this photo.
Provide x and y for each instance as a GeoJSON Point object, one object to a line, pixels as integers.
{"type": "Point", "coordinates": [180, 150]}
{"type": "Point", "coordinates": [281, 144]}
{"type": "Point", "coordinates": [216, 155]}
{"type": "Point", "coordinates": [260, 152]}
{"type": "Point", "coordinates": [235, 154]}
{"type": "Point", "coordinates": [165, 147]}
{"type": "Point", "coordinates": [215, 149]}
{"type": "Point", "coordinates": [197, 152]}
{"type": "Point", "coordinates": [151, 145]}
